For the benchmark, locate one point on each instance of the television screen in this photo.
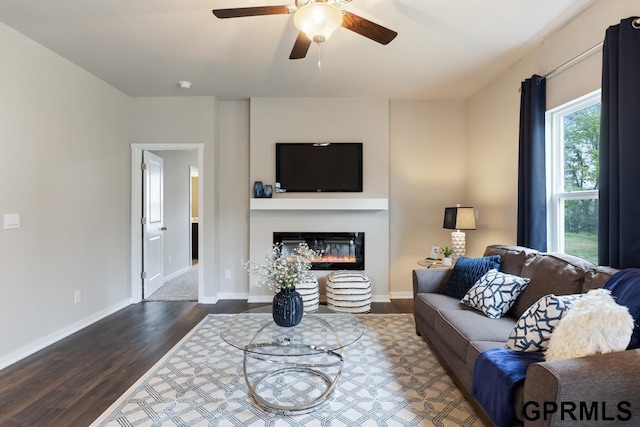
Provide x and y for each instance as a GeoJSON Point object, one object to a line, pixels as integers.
{"type": "Point", "coordinates": [319, 167]}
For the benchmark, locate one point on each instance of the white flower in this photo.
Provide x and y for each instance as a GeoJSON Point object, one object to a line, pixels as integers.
{"type": "Point", "coordinates": [282, 270]}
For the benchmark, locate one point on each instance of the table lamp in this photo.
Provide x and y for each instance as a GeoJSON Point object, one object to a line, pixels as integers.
{"type": "Point", "coordinates": [459, 218]}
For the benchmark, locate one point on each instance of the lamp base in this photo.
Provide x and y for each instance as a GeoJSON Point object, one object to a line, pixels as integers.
{"type": "Point", "coordinates": [458, 243]}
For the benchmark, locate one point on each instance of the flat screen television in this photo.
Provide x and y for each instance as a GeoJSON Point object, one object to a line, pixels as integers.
{"type": "Point", "coordinates": [319, 167]}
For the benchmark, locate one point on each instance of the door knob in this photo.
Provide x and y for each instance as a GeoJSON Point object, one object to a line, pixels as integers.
{"type": "Point", "coordinates": [163, 228]}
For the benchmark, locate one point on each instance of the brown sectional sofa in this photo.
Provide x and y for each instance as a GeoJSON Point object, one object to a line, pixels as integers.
{"type": "Point", "coordinates": [458, 334]}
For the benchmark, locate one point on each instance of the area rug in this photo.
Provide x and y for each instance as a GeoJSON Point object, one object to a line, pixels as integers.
{"type": "Point", "coordinates": [181, 288]}
{"type": "Point", "coordinates": [390, 378]}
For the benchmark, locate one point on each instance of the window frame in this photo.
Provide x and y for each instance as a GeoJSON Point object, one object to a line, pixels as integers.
{"type": "Point", "coordinates": [554, 149]}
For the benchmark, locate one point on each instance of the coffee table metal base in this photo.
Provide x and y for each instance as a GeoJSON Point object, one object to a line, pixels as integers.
{"type": "Point", "coordinates": [266, 380]}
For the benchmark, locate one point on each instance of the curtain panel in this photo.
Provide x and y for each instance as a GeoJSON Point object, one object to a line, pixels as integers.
{"type": "Point", "coordinates": [619, 184]}
{"type": "Point", "coordinates": [532, 198]}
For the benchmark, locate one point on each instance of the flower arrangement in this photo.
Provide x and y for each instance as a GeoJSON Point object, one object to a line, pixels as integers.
{"type": "Point", "coordinates": [283, 270]}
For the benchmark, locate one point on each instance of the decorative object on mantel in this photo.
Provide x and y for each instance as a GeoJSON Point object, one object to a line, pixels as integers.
{"type": "Point", "coordinates": [446, 256]}
{"type": "Point", "coordinates": [282, 271]}
{"type": "Point", "coordinates": [258, 189]}
{"type": "Point", "coordinates": [268, 191]}
{"type": "Point", "coordinates": [459, 218]}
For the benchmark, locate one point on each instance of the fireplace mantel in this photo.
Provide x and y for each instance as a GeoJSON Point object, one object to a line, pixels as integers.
{"type": "Point", "coordinates": [319, 204]}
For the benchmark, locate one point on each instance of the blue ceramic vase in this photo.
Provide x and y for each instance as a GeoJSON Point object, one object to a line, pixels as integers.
{"type": "Point", "coordinates": [287, 308]}
{"type": "Point", "coordinates": [258, 189]}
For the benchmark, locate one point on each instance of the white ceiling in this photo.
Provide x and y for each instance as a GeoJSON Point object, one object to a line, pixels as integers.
{"type": "Point", "coordinates": [445, 49]}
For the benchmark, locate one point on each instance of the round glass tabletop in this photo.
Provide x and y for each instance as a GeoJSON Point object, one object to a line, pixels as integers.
{"type": "Point", "coordinates": [324, 330]}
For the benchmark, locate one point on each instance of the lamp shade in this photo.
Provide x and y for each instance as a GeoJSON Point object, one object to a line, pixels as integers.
{"type": "Point", "coordinates": [318, 20]}
{"type": "Point", "coordinates": [459, 218]}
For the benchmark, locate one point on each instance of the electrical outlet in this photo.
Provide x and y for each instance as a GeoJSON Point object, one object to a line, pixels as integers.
{"type": "Point", "coordinates": [77, 297]}
{"type": "Point", "coordinates": [227, 274]}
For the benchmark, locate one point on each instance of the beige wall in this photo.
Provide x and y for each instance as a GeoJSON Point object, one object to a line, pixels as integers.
{"type": "Point", "coordinates": [427, 172]}
{"type": "Point", "coordinates": [64, 168]}
{"type": "Point", "coordinates": [493, 116]}
{"type": "Point", "coordinates": [232, 198]}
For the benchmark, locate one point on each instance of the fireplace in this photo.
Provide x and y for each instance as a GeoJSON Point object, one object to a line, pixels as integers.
{"type": "Point", "coordinates": [337, 251]}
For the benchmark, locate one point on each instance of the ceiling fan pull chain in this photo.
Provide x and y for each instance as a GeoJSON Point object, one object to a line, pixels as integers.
{"type": "Point", "coordinates": [319, 62]}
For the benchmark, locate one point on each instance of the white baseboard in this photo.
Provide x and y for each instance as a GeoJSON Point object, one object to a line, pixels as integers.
{"type": "Point", "coordinates": [56, 336]}
{"type": "Point", "coordinates": [401, 295]}
{"type": "Point", "coordinates": [208, 300]}
{"type": "Point", "coordinates": [380, 298]}
{"type": "Point", "coordinates": [233, 295]}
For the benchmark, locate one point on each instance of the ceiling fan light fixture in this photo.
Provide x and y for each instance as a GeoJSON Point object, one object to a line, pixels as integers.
{"type": "Point", "coordinates": [318, 20]}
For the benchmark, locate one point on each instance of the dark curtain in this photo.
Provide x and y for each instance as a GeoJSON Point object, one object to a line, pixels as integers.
{"type": "Point", "coordinates": [619, 195]}
{"type": "Point", "coordinates": [532, 199]}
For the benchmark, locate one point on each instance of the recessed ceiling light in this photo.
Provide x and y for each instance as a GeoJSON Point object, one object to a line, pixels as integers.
{"type": "Point", "coordinates": [184, 84]}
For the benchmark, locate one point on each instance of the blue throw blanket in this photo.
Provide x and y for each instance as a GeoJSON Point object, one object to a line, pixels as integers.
{"type": "Point", "coordinates": [496, 374]}
{"type": "Point", "coordinates": [625, 288]}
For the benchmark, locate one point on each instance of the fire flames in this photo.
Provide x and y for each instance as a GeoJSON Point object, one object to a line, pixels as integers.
{"type": "Point", "coordinates": [334, 258]}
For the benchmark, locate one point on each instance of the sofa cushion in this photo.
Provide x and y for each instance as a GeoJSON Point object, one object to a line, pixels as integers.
{"type": "Point", "coordinates": [462, 326]}
{"type": "Point", "coordinates": [427, 306]}
{"type": "Point", "coordinates": [534, 328]}
{"type": "Point", "coordinates": [466, 272]}
{"type": "Point", "coordinates": [550, 273]}
{"type": "Point", "coordinates": [494, 293]}
{"type": "Point", "coordinates": [512, 258]}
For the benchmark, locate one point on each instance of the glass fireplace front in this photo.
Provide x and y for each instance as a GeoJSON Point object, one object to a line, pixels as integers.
{"type": "Point", "coordinates": [337, 251]}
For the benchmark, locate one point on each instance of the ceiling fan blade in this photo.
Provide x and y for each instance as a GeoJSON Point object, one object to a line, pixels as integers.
{"type": "Point", "coordinates": [252, 11]}
{"type": "Point", "coordinates": [300, 47]}
{"type": "Point", "coordinates": [366, 28]}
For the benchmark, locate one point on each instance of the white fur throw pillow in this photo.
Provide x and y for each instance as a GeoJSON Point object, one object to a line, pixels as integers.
{"type": "Point", "coordinates": [594, 324]}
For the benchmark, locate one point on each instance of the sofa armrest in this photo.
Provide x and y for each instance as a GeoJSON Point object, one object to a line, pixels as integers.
{"type": "Point", "coordinates": [602, 387]}
{"type": "Point", "coordinates": [430, 279]}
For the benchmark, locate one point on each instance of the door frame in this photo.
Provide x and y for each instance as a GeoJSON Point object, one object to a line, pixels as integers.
{"type": "Point", "coordinates": [136, 212]}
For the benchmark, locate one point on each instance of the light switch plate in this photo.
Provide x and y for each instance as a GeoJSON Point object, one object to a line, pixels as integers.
{"type": "Point", "coordinates": [11, 221]}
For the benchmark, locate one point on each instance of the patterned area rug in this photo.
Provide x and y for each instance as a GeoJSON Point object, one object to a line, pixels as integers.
{"type": "Point", "coordinates": [181, 288]}
{"type": "Point", "coordinates": [390, 378]}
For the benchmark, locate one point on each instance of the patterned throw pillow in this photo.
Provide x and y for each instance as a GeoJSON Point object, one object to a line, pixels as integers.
{"type": "Point", "coordinates": [466, 272]}
{"type": "Point", "coordinates": [534, 328]}
{"type": "Point", "coordinates": [495, 293]}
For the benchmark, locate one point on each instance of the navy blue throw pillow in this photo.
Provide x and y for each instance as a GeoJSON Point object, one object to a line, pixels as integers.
{"type": "Point", "coordinates": [625, 288]}
{"type": "Point", "coordinates": [466, 273]}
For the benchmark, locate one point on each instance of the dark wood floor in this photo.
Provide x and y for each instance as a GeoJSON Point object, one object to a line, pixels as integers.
{"type": "Point", "coordinates": [73, 381]}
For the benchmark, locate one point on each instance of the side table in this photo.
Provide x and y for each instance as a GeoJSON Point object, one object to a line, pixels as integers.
{"type": "Point", "coordinates": [430, 263]}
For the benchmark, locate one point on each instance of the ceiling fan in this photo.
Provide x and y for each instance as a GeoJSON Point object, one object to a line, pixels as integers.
{"type": "Point", "coordinates": [315, 20]}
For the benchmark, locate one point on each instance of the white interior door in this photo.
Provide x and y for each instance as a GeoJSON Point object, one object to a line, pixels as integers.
{"type": "Point", "coordinates": [153, 226]}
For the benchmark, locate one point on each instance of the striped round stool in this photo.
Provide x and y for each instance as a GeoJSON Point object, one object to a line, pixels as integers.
{"type": "Point", "coordinates": [310, 294]}
{"type": "Point", "coordinates": [349, 291]}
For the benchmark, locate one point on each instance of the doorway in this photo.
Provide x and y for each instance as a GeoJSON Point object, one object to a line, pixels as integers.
{"type": "Point", "coordinates": [137, 194]}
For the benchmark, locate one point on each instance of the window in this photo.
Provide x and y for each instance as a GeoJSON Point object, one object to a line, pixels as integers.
{"type": "Point", "coordinates": [573, 139]}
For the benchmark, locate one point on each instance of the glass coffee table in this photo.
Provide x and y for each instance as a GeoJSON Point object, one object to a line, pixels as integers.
{"type": "Point", "coordinates": [292, 370]}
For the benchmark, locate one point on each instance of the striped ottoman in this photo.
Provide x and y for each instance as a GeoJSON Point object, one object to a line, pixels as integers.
{"type": "Point", "coordinates": [310, 294]}
{"type": "Point", "coordinates": [349, 291]}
